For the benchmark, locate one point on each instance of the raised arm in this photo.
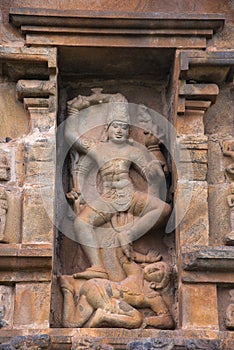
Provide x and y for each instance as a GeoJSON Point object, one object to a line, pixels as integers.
{"type": "Point", "coordinates": [73, 136]}
{"type": "Point", "coordinates": [150, 169]}
{"type": "Point", "coordinates": [74, 106]}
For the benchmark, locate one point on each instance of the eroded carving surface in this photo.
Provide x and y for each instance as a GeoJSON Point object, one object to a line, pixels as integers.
{"type": "Point", "coordinates": [229, 321]}
{"type": "Point", "coordinates": [3, 212]}
{"type": "Point", "coordinates": [90, 343]}
{"type": "Point", "coordinates": [228, 150]}
{"type": "Point", "coordinates": [36, 342]}
{"type": "Point", "coordinates": [114, 214]}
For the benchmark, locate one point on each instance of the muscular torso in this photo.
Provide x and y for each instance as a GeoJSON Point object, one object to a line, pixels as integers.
{"type": "Point", "coordinates": [114, 166]}
{"type": "Point", "coordinates": [115, 174]}
{"type": "Point", "coordinates": [113, 162]}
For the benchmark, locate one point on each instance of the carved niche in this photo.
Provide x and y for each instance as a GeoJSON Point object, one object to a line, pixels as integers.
{"type": "Point", "coordinates": [119, 197]}
{"type": "Point", "coordinates": [228, 151]}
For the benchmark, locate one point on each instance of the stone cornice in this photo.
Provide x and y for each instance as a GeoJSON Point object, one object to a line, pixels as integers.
{"type": "Point", "coordinates": [25, 262]}
{"type": "Point", "coordinates": [211, 66]}
{"type": "Point", "coordinates": [116, 29]}
{"type": "Point", "coordinates": [208, 259]}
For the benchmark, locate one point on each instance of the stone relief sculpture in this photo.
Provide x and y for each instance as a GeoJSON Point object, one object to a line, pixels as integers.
{"type": "Point", "coordinates": [4, 167]}
{"type": "Point", "coordinates": [3, 212]}
{"type": "Point", "coordinates": [151, 136]}
{"type": "Point", "coordinates": [114, 215]}
{"type": "Point", "coordinates": [229, 238]}
{"type": "Point", "coordinates": [228, 151]}
{"type": "Point", "coordinates": [229, 321]}
{"type": "Point", "coordinates": [116, 303]}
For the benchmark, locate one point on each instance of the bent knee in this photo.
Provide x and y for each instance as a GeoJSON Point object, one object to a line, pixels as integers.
{"type": "Point", "coordinates": [138, 319]}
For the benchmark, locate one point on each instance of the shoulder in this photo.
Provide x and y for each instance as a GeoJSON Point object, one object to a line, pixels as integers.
{"type": "Point", "coordinates": [138, 151]}
{"type": "Point", "coordinates": [86, 143]}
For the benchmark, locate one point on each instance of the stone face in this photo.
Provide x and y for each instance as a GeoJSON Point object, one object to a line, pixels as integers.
{"type": "Point", "coordinates": [40, 118]}
{"type": "Point", "coordinates": [192, 158]}
{"type": "Point", "coordinates": [192, 204]}
{"type": "Point", "coordinates": [14, 119]}
{"type": "Point", "coordinates": [3, 212]}
{"type": "Point", "coordinates": [199, 306]}
{"type": "Point", "coordinates": [32, 302]}
{"type": "Point", "coordinates": [191, 123]}
{"type": "Point", "coordinates": [219, 214]}
{"type": "Point", "coordinates": [39, 158]}
{"type": "Point", "coordinates": [219, 117]}
{"type": "Point", "coordinates": [216, 169]}
{"type": "Point", "coordinates": [12, 233]}
{"type": "Point", "coordinates": [37, 224]}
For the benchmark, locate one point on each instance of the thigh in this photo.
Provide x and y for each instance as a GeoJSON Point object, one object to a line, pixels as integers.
{"type": "Point", "coordinates": [143, 203]}
{"type": "Point", "coordinates": [96, 213]}
{"type": "Point", "coordinates": [139, 203]}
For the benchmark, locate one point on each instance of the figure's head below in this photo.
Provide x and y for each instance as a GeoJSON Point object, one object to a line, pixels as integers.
{"type": "Point", "coordinates": [158, 273]}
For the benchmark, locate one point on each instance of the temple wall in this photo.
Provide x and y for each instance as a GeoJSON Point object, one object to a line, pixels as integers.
{"type": "Point", "coordinates": [177, 59]}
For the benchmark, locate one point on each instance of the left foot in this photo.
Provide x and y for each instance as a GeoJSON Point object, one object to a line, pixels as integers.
{"type": "Point", "coordinates": [91, 272]}
{"type": "Point", "coordinates": [65, 284]}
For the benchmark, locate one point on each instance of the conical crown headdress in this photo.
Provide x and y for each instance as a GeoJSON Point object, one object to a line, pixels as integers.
{"type": "Point", "coordinates": [118, 109]}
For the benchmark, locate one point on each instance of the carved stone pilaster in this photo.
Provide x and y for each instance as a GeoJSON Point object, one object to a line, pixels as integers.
{"type": "Point", "coordinates": [154, 344]}
{"type": "Point", "coordinates": [200, 75]}
{"type": "Point", "coordinates": [90, 343]}
{"type": "Point", "coordinates": [36, 342]}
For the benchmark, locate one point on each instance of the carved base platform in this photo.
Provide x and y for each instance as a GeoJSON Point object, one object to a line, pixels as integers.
{"type": "Point", "coordinates": [118, 339]}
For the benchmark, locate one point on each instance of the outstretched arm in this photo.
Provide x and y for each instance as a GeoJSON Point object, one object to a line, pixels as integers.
{"type": "Point", "coordinates": [74, 106]}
